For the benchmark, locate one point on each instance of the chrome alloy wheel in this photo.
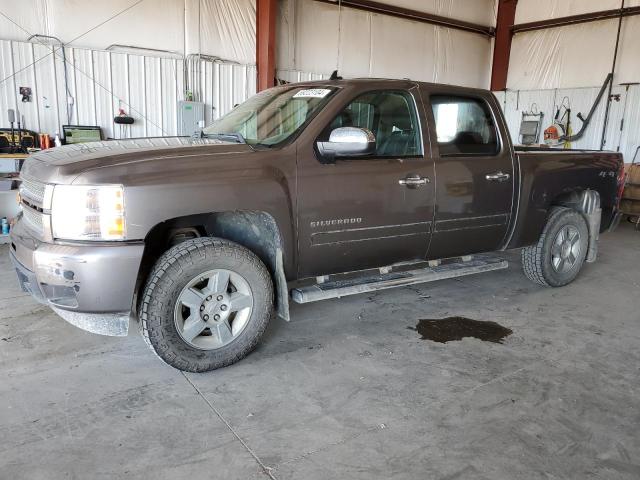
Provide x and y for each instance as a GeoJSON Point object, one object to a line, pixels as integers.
{"type": "Point", "coordinates": [566, 249]}
{"type": "Point", "coordinates": [213, 309]}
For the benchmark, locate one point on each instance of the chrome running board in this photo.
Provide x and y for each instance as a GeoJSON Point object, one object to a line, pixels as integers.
{"type": "Point", "coordinates": [388, 278]}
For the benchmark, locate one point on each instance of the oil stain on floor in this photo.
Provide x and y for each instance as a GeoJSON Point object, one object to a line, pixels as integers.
{"type": "Point", "coordinates": [456, 328]}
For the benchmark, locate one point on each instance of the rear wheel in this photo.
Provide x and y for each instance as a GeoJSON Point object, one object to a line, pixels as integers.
{"type": "Point", "coordinates": [561, 250]}
{"type": "Point", "coordinates": [206, 304]}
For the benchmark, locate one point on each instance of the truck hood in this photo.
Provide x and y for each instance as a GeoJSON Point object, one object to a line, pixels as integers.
{"type": "Point", "coordinates": [62, 164]}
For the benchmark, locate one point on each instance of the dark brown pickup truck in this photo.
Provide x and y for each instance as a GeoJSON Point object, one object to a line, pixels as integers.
{"type": "Point", "coordinates": [305, 191]}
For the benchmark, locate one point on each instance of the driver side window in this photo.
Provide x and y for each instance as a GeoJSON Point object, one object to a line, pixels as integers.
{"type": "Point", "coordinates": [391, 116]}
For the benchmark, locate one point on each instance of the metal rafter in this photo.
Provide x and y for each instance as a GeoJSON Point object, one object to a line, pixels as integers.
{"type": "Point", "coordinates": [577, 19]}
{"type": "Point", "coordinates": [406, 13]}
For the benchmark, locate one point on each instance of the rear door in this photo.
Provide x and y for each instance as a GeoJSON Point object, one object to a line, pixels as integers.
{"type": "Point", "coordinates": [361, 212]}
{"type": "Point", "coordinates": [474, 173]}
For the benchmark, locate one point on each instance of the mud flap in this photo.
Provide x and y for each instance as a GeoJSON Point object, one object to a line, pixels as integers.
{"type": "Point", "coordinates": [282, 291]}
{"type": "Point", "coordinates": [590, 208]}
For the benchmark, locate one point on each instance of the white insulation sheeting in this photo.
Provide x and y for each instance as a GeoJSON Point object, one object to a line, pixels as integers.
{"type": "Point", "coordinates": [101, 82]}
{"type": "Point", "coordinates": [316, 37]}
{"type": "Point", "coordinates": [221, 28]}
{"type": "Point", "coordinates": [623, 136]}
{"type": "Point", "coordinates": [628, 64]}
{"type": "Point", "coordinates": [576, 55]}
{"type": "Point", "coordinates": [562, 57]}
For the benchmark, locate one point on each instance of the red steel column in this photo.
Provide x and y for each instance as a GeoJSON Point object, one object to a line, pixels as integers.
{"type": "Point", "coordinates": [266, 11]}
{"type": "Point", "coordinates": [502, 48]}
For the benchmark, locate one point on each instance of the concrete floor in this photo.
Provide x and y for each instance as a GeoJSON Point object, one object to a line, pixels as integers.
{"type": "Point", "coordinates": [346, 390]}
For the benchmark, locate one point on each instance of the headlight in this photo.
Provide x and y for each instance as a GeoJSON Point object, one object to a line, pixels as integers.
{"type": "Point", "coordinates": [80, 212]}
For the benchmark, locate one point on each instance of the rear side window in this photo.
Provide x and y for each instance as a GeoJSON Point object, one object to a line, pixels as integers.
{"type": "Point", "coordinates": [464, 126]}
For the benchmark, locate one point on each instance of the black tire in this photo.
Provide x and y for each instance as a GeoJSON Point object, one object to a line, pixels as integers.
{"type": "Point", "coordinates": [172, 272]}
{"type": "Point", "coordinates": [537, 259]}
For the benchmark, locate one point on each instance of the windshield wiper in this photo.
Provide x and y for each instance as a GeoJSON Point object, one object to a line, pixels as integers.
{"type": "Point", "coordinates": [237, 137]}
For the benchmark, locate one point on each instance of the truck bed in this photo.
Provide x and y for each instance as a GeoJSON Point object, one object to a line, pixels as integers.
{"type": "Point", "coordinates": [549, 176]}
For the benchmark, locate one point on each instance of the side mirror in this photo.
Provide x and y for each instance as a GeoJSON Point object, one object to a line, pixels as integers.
{"type": "Point", "coordinates": [348, 142]}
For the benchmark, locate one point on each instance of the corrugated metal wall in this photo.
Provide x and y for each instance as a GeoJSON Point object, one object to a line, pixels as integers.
{"type": "Point", "coordinates": [293, 76]}
{"type": "Point", "coordinates": [101, 82]}
{"type": "Point", "coordinates": [623, 129]}
{"type": "Point", "coordinates": [221, 85]}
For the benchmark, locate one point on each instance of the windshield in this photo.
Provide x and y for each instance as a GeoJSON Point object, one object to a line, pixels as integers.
{"type": "Point", "coordinates": [272, 116]}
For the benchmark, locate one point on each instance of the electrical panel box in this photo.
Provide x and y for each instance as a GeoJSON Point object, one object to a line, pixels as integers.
{"type": "Point", "coordinates": [190, 117]}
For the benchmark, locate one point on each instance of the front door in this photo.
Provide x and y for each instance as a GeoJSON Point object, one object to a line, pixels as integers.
{"type": "Point", "coordinates": [371, 211]}
{"type": "Point", "coordinates": [474, 174]}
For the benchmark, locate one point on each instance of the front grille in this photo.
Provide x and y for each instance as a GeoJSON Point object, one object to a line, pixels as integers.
{"type": "Point", "coordinates": [32, 190]}
{"type": "Point", "coordinates": [33, 220]}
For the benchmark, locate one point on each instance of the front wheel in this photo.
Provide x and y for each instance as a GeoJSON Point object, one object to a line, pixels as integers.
{"type": "Point", "coordinates": [560, 253]}
{"type": "Point", "coordinates": [206, 304]}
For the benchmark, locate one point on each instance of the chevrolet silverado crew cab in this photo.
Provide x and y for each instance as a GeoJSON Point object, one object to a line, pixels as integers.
{"type": "Point", "coordinates": [304, 192]}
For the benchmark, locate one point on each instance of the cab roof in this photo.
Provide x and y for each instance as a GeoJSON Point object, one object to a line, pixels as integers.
{"type": "Point", "coordinates": [385, 83]}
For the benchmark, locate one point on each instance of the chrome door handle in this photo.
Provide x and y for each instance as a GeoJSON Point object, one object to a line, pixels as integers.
{"type": "Point", "coordinates": [497, 177]}
{"type": "Point", "coordinates": [413, 181]}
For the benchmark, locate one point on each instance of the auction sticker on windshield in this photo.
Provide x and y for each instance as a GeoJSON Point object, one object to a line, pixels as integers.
{"type": "Point", "coordinates": [313, 93]}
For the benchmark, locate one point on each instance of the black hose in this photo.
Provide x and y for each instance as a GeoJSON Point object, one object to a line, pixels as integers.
{"type": "Point", "coordinates": [586, 121]}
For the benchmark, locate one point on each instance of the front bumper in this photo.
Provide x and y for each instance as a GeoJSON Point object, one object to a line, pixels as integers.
{"type": "Point", "coordinates": [90, 286]}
